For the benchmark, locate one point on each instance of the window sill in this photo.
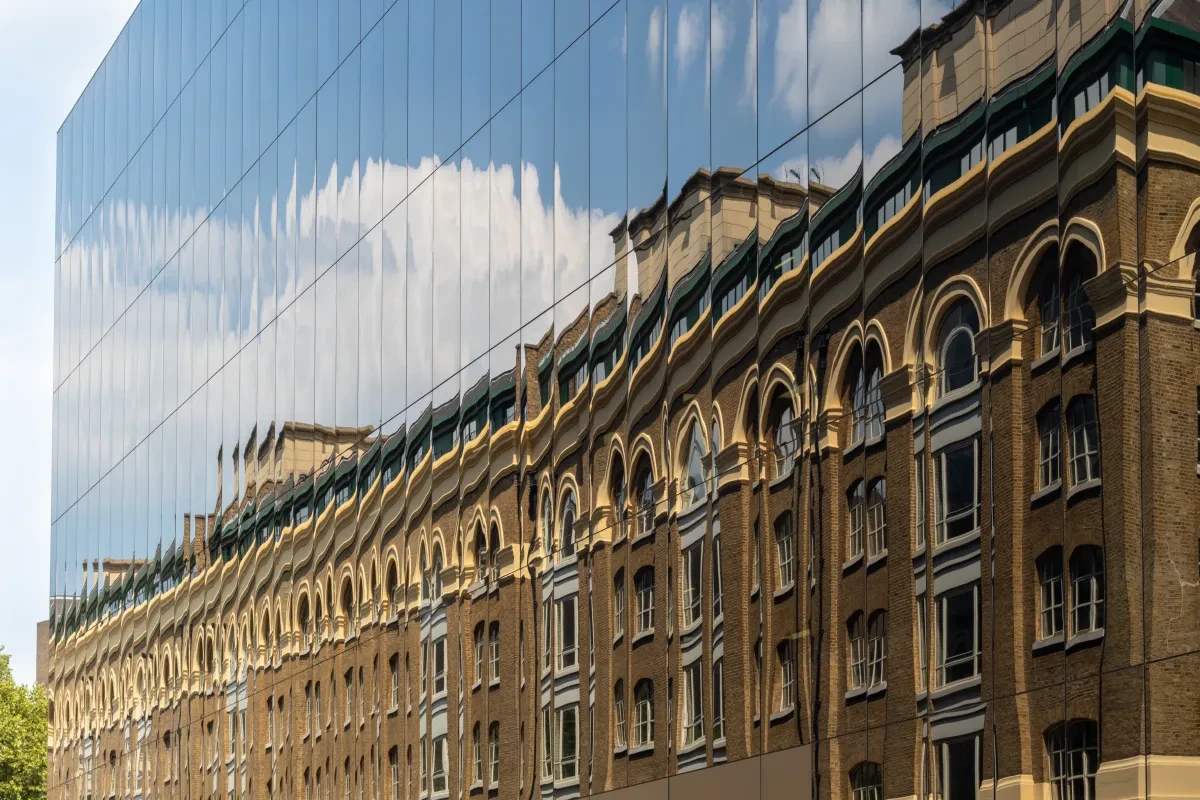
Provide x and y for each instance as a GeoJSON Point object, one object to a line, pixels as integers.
{"type": "Point", "coordinates": [564, 671]}
{"type": "Point", "coordinates": [754, 594]}
{"type": "Point", "coordinates": [641, 749]}
{"type": "Point", "coordinates": [877, 690]}
{"type": "Point", "coordinates": [872, 441]}
{"type": "Point", "coordinates": [719, 744]}
{"type": "Point", "coordinates": [1082, 488]}
{"type": "Point", "coordinates": [1077, 352]}
{"type": "Point", "coordinates": [957, 541]}
{"type": "Point", "coordinates": [346, 725]}
{"type": "Point", "coordinates": [644, 636]}
{"type": "Point", "coordinates": [956, 394]}
{"type": "Point", "coordinates": [493, 683]}
{"type": "Point", "coordinates": [1045, 492]}
{"type": "Point", "coordinates": [1048, 644]}
{"type": "Point", "coordinates": [393, 711]}
{"type": "Point", "coordinates": [1084, 638]}
{"type": "Point", "coordinates": [785, 590]}
{"type": "Point", "coordinates": [617, 639]}
{"type": "Point", "coordinates": [619, 750]}
{"type": "Point", "coordinates": [476, 686]}
{"type": "Point", "coordinates": [853, 695]}
{"type": "Point", "coordinates": [690, 627]}
{"type": "Point", "coordinates": [688, 749]}
{"type": "Point", "coordinates": [1044, 359]}
{"type": "Point", "coordinates": [878, 558]}
{"type": "Point", "coordinates": [439, 695]}
{"type": "Point", "coordinates": [780, 480]}
{"type": "Point", "coordinates": [566, 783]}
{"type": "Point", "coordinates": [476, 786]}
{"type": "Point", "coordinates": [957, 686]}
{"type": "Point", "coordinates": [494, 786]}
{"type": "Point", "coordinates": [852, 562]}
{"type": "Point", "coordinates": [783, 714]}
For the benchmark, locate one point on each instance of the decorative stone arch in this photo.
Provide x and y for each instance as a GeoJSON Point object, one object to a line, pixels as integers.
{"type": "Point", "coordinates": [477, 524]}
{"type": "Point", "coordinates": [778, 376]}
{"type": "Point", "coordinates": [643, 447]}
{"type": "Point", "coordinates": [940, 304]}
{"type": "Point", "coordinates": [749, 387]}
{"type": "Point", "coordinates": [875, 334]}
{"type": "Point", "coordinates": [912, 331]}
{"type": "Point", "coordinates": [346, 604]}
{"type": "Point", "coordinates": [1087, 234]}
{"type": "Point", "coordinates": [616, 450]}
{"type": "Point", "coordinates": [691, 414]}
{"type": "Point", "coordinates": [1028, 260]}
{"type": "Point", "coordinates": [495, 521]}
{"type": "Point", "coordinates": [843, 356]}
{"type": "Point", "coordinates": [1179, 249]}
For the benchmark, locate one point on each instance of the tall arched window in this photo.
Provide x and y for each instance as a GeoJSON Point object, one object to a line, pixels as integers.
{"type": "Point", "coordinates": [393, 588]}
{"type": "Point", "coordinates": [867, 781]}
{"type": "Point", "coordinates": [619, 714]}
{"type": "Point", "coordinates": [425, 587]}
{"type": "Point", "coordinates": [643, 722]}
{"type": "Point", "coordinates": [857, 651]}
{"type": "Point", "coordinates": [1087, 589]}
{"type": "Point", "coordinates": [645, 516]}
{"type": "Point", "coordinates": [481, 555]}
{"type": "Point", "coordinates": [494, 553]}
{"type": "Point", "coordinates": [1079, 314]}
{"type": "Point", "coordinates": [1085, 440]}
{"type": "Point", "coordinates": [877, 518]}
{"type": "Point", "coordinates": [859, 404]}
{"type": "Point", "coordinates": [785, 438]}
{"type": "Point", "coordinates": [1048, 309]}
{"type": "Point", "coordinates": [956, 347]}
{"type": "Point", "coordinates": [1050, 600]}
{"type": "Point", "coordinates": [348, 605]}
{"type": "Point", "coordinates": [1074, 754]}
{"type": "Point", "coordinates": [547, 521]}
{"type": "Point", "coordinates": [856, 502]}
{"type": "Point", "coordinates": [877, 649]}
{"type": "Point", "coordinates": [874, 397]}
{"type": "Point", "coordinates": [436, 578]}
{"type": "Point", "coordinates": [714, 448]}
{"type": "Point", "coordinates": [694, 479]}
{"type": "Point", "coordinates": [567, 541]}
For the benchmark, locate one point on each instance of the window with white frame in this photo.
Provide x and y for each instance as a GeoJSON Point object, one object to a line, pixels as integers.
{"type": "Point", "coordinates": [758, 676]}
{"type": "Point", "coordinates": [619, 604]}
{"type": "Point", "coordinates": [1072, 748]}
{"type": "Point", "coordinates": [1085, 440]}
{"type": "Point", "coordinates": [693, 704]}
{"type": "Point", "coordinates": [424, 765]}
{"type": "Point", "coordinates": [1050, 601]}
{"type": "Point", "coordinates": [494, 753]}
{"type": "Point", "coordinates": [644, 583]}
{"type": "Point", "coordinates": [716, 578]}
{"type": "Point", "coordinates": [694, 481]}
{"type": "Point", "coordinates": [857, 651]}
{"type": "Point", "coordinates": [718, 710]}
{"type": "Point", "coordinates": [858, 408]}
{"type": "Point", "coordinates": [787, 676]}
{"type": "Point", "coordinates": [957, 347]}
{"type": "Point", "coordinates": [645, 514]}
{"type": "Point", "coordinates": [784, 549]}
{"type": "Point", "coordinates": [1048, 304]}
{"type": "Point", "coordinates": [394, 667]}
{"type": "Point", "coordinates": [440, 758]}
{"type": "Point", "coordinates": [785, 440]}
{"type": "Point", "coordinates": [866, 781]}
{"type": "Point", "coordinates": [877, 518]}
{"type": "Point", "coordinates": [958, 640]}
{"type": "Point", "coordinates": [547, 745]}
{"type": "Point", "coordinates": [877, 649]}
{"type": "Point", "coordinates": [439, 666]}
{"type": "Point", "coordinates": [494, 646]}
{"type": "Point", "coordinates": [568, 743]}
{"type": "Point", "coordinates": [922, 643]}
{"type": "Point", "coordinates": [714, 448]}
{"type": "Point", "coordinates": [875, 409]}
{"type": "Point", "coordinates": [1049, 463]}
{"type": "Point", "coordinates": [957, 475]}
{"type": "Point", "coordinates": [566, 626]}
{"type": "Point", "coordinates": [691, 578]}
{"type": "Point", "coordinates": [757, 572]}
{"type": "Point", "coordinates": [643, 721]}
{"type": "Point", "coordinates": [856, 501]}
{"type": "Point", "coordinates": [394, 771]}
{"type": "Point", "coordinates": [919, 508]}
{"type": "Point", "coordinates": [1079, 315]}
{"type": "Point", "coordinates": [547, 627]}
{"type": "Point", "coordinates": [619, 714]}
{"type": "Point", "coordinates": [567, 538]}
{"type": "Point", "coordinates": [959, 768]}
{"type": "Point", "coordinates": [1087, 589]}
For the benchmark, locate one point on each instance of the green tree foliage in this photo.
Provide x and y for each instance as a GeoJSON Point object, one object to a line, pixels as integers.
{"type": "Point", "coordinates": [22, 737]}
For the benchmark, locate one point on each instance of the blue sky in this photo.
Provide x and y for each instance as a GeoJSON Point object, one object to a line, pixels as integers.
{"type": "Point", "coordinates": [48, 51]}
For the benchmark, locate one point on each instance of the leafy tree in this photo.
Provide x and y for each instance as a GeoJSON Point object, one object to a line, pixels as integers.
{"type": "Point", "coordinates": [22, 737]}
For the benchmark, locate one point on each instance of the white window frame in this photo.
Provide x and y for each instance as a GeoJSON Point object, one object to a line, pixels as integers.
{"type": "Point", "coordinates": [1079, 316]}
{"type": "Point", "coordinates": [1048, 308]}
{"type": "Point", "coordinates": [716, 579]}
{"type": "Point", "coordinates": [877, 518]}
{"type": "Point", "coordinates": [943, 635]}
{"type": "Point", "coordinates": [441, 756]}
{"type": "Point", "coordinates": [494, 753]}
{"type": "Point", "coordinates": [691, 577]}
{"type": "Point", "coordinates": [619, 605]}
{"type": "Point", "coordinates": [784, 550]}
{"type": "Point", "coordinates": [1049, 446]}
{"type": "Point", "coordinates": [1074, 755]}
{"type": "Point", "coordinates": [643, 723]}
{"type": "Point", "coordinates": [494, 651]}
{"type": "Point", "coordinates": [856, 634]}
{"type": "Point", "coordinates": [922, 642]}
{"type": "Point", "coordinates": [619, 713]}
{"type": "Point", "coordinates": [692, 719]}
{"type": "Point", "coordinates": [856, 503]}
{"type": "Point", "coordinates": [877, 649]}
{"type": "Point", "coordinates": [919, 507]}
{"type": "Point", "coordinates": [567, 608]}
{"type": "Point", "coordinates": [567, 765]}
{"type": "Point", "coordinates": [1051, 607]}
{"type": "Point", "coordinates": [1085, 440]}
{"type": "Point", "coordinates": [645, 600]}
{"type": "Point", "coordinates": [439, 666]}
{"type": "Point", "coordinates": [718, 689]}
{"type": "Point", "coordinates": [787, 677]}
{"type": "Point", "coordinates": [946, 518]}
{"type": "Point", "coordinates": [1087, 615]}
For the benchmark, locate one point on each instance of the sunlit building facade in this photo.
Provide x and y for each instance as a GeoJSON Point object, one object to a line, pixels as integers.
{"type": "Point", "coordinates": [531, 399]}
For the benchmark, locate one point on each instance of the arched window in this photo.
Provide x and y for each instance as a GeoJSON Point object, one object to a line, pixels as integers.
{"type": "Point", "coordinates": [436, 578]}
{"type": "Point", "coordinates": [1074, 754]}
{"type": "Point", "coordinates": [874, 397]}
{"type": "Point", "coordinates": [787, 676]}
{"type": "Point", "coordinates": [857, 651]}
{"type": "Point", "coordinates": [393, 588]}
{"type": "Point", "coordinates": [425, 587]}
{"type": "Point", "coordinates": [567, 544]}
{"type": "Point", "coordinates": [547, 521]}
{"type": "Point", "coordinates": [494, 652]}
{"type": "Point", "coordinates": [645, 517]}
{"type": "Point", "coordinates": [694, 479]}
{"type": "Point", "coordinates": [348, 605]}
{"type": "Point", "coordinates": [643, 721]}
{"type": "Point", "coordinates": [1050, 600]}
{"type": "Point", "coordinates": [1087, 589]}
{"type": "Point", "coordinates": [784, 549]}
{"type": "Point", "coordinates": [785, 436]}
{"type": "Point", "coordinates": [877, 518]}
{"type": "Point", "coordinates": [619, 713]}
{"type": "Point", "coordinates": [714, 448]}
{"type": "Point", "coordinates": [1085, 440]}
{"type": "Point", "coordinates": [1048, 309]}
{"type": "Point", "coordinates": [619, 496]}
{"type": "Point", "coordinates": [619, 603]}
{"type": "Point", "coordinates": [1049, 446]}
{"type": "Point", "coordinates": [1079, 314]}
{"type": "Point", "coordinates": [858, 411]}
{"type": "Point", "coordinates": [856, 500]}
{"type": "Point", "coordinates": [957, 347]}
{"type": "Point", "coordinates": [494, 754]}
{"type": "Point", "coordinates": [877, 649]}
{"type": "Point", "coordinates": [867, 781]}
{"type": "Point", "coordinates": [494, 553]}
{"type": "Point", "coordinates": [481, 555]}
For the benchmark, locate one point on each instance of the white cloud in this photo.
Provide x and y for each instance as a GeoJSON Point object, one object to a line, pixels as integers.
{"type": "Point", "coordinates": [750, 68]}
{"type": "Point", "coordinates": [791, 62]}
{"type": "Point", "coordinates": [689, 35]}
{"type": "Point", "coordinates": [885, 148]}
{"type": "Point", "coordinates": [654, 37]}
{"type": "Point", "coordinates": [836, 171]}
{"type": "Point", "coordinates": [722, 30]}
{"type": "Point", "coordinates": [789, 169]}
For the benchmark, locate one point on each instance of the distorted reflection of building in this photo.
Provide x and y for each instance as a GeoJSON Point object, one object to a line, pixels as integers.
{"type": "Point", "coordinates": [882, 489]}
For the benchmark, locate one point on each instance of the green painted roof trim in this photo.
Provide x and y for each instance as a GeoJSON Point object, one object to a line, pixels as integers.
{"type": "Point", "coordinates": [787, 234]}
{"type": "Point", "coordinates": [650, 310]}
{"type": "Point", "coordinates": [503, 385]}
{"type": "Point", "coordinates": [608, 330]}
{"type": "Point", "coordinates": [1086, 54]}
{"type": "Point", "coordinates": [693, 282]}
{"type": "Point", "coordinates": [911, 151]}
{"type": "Point", "coordinates": [950, 134]}
{"type": "Point", "coordinates": [740, 258]}
{"type": "Point", "coordinates": [1016, 92]}
{"type": "Point", "coordinates": [829, 217]}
